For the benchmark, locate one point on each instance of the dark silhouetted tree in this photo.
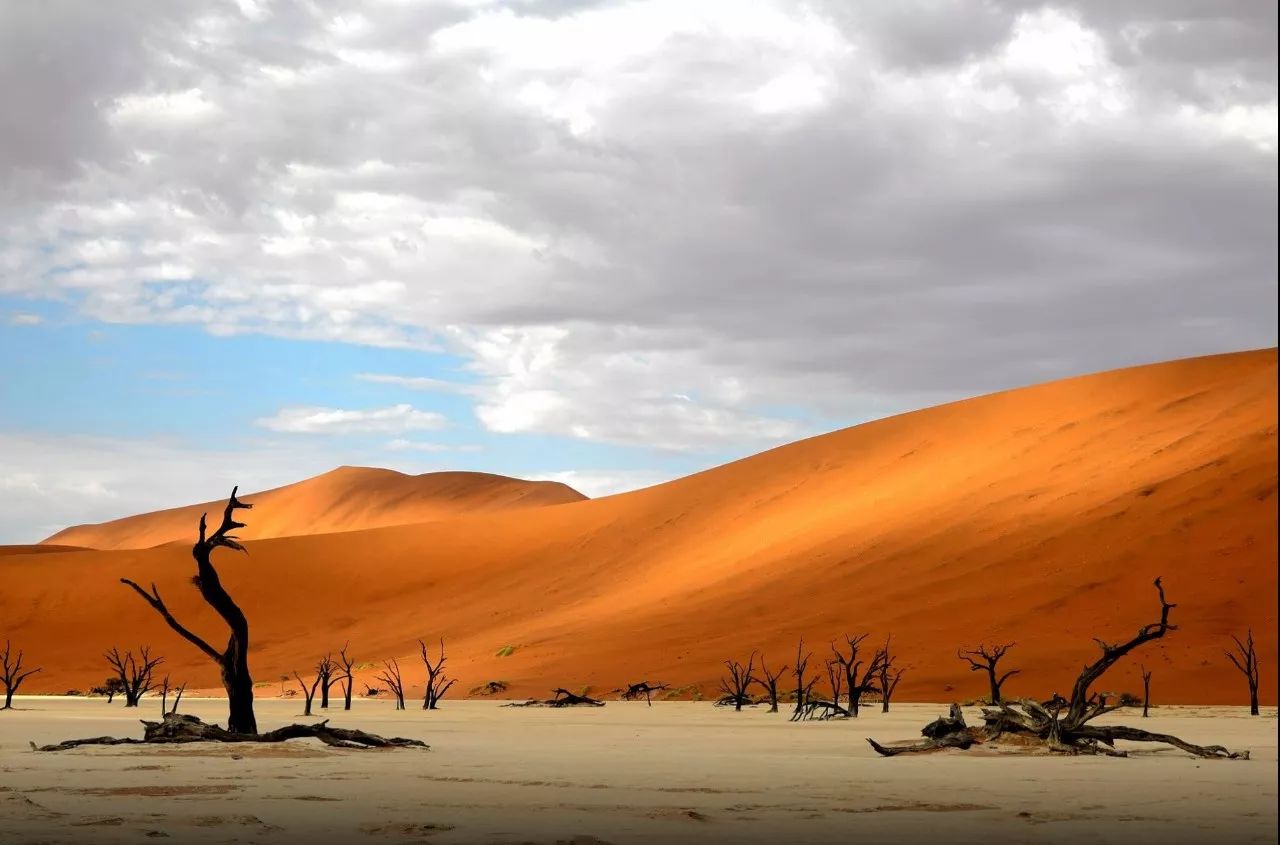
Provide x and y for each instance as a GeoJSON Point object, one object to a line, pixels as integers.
{"type": "Point", "coordinates": [889, 676]}
{"type": "Point", "coordinates": [12, 673]}
{"type": "Point", "coordinates": [985, 659]}
{"type": "Point", "coordinates": [768, 681]}
{"type": "Point", "coordinates": [325, 669]}
{"type": "Point", "coordinates": [798, 670]}
{"type": "Point", "coordinates": [1146, 690]}
{"type": "Point", "coordinates": [859, 674]}
{"type": "Point", "coordinates": [634, 691]}
{"type": "Point", "coordinates": [736, 683]}
{"type": "Point", "coordinates": [348, 680]}
{"type": "Point", "coordinates": [437, 682]}
{"type": "Point", "coordinates": [135, 674]}
{"type": "Point", "coordinates": [391, 677]}
{"type": "Point", "coordinates": [1246, 660]}
{"type": "Point", "coordinates": [233, 661]}
{"type": "Point", "coordinates": [308, 692]}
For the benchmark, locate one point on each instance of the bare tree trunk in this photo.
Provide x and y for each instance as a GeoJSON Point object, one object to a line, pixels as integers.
{"type": "Point", "coordinates": [801, 664]}
{"type": "Point", "coordinates": [349, 686]}
{"type": "Point", "coordinates": [1146, 691]}
{"type": "Point", "coordinates": [1247, 662]}
{"type": "Point", "coordinates": [986, 660]}
{"type": "Point", "coordinates": [12, 674]}
{"type": "Point", "coordinates": [391, 677]}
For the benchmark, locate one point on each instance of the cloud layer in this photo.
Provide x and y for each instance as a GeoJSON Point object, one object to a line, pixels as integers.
{"type": "Point", "coordinates": [689, 226]}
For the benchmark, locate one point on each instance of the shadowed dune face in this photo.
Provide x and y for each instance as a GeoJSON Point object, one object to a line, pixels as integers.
{"type": "Point", "coordinates": [345, 499]}
{"type": "Point", "coordinates": [1039, 515]}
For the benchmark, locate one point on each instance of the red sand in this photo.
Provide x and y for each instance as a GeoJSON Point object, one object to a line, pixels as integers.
{"type": "Point", "coordinates": [1039, 515]}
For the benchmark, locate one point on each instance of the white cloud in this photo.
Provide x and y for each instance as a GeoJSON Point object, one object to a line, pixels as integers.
{"type": "Point", "coordinates": [597, 483]}
{"type": "Point", "coordinates": [312, 420]}
{"type": "Point", "coordinates": [418, 383]}
{"type": "Point", "coordinates": [23, 319]}
{"type": "Point", "coordinates": [402, 445]}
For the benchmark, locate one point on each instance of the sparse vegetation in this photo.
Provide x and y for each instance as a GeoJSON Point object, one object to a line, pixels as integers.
{"type": "Point", "coordinates": [490, 688]}
{"type": "Point", "coordinates": [505, 651]}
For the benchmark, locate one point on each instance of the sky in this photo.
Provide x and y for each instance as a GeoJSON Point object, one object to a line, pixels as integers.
{"type": "Point", "coordinates": [606, 243]}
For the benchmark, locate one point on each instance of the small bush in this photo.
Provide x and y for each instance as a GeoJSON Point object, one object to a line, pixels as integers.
{"type": "Point", "coordinates": [1128, 699]}
{"type": "Point", "coordinates": [73, 692]}
{"type": "Point", "coordinates": [491, 688]}
{"type": "Point", "coordinates": [505, 651]}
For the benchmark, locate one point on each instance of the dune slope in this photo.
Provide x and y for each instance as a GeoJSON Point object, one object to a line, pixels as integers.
{"type": "Point", "coordinates": [344, 499]}
{"type": "Point", "coordinates": [1039, 515]}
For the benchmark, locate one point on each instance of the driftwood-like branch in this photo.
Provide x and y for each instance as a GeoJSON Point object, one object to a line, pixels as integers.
{"type": "Point", "coordinates": [1060, 724]}
{"type": "Point", "coordinates": [179, 728]}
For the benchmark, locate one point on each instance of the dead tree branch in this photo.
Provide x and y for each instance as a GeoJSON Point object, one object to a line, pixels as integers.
{"type": "Point", "coordinates": [12, 673]}
{"type": "Point", "coordinates": [135, 674]}
{"type": "Point", "coordinates": [768, 681]}
{"type": "Point", "coordinates": [391, 677]}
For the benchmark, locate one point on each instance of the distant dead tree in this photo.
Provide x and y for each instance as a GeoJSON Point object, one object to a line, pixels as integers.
{"type": "Point", "coordinates": [437, 682]}
{"type": "Point", "coordinates": [798, 670]}
{"type": "Point", "coordinates": [985, 659]}
{"type": "Point", "coordinates": [135, 674]}
{"type": "Point", "coordinates": [815, 706]}
{"type": "Point", "coordinates": [1246, 660]}
{"type": "Point", "coordinates": [347, 679]}
{"type": "Point", "coordinates": [859, 675]}
{"type": "Point", "coordinates": [325, 668]}
{"type": "Point", "coordinates": [111, 687]}
{"type": "Point", "coordinates": [768, 681]}
{"type": "Point", "coordinates": [1060, 724]}
{"type": "Point", "coordinates": [165, 689]}
{"type": "Point", "coordinates": [835, 682]}
{"type": "Point", "coordinates": [309, 692]}
{"type": "Point", "coordinates": [233, 661]}
{"type": "Point", "coordinates": [1146, 690]}
{"type": "Point", "coordinates": [12, 673]}
{"type": "Point", "coordinates": [391, 677]}
{"type": "Point", "coordinates": [735, 685]}
{"type": "Point", "coordinates": [561, 698]}
{"type": "Point", "coordinates": [889, 676]}
{"type": "Point", "coordinates": [634, 691]}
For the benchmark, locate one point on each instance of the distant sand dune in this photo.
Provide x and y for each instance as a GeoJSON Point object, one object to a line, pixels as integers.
{"type": "Point", "coordinates": [345, 499]}
{"type": "Point", "coordinates": [1039, 515]}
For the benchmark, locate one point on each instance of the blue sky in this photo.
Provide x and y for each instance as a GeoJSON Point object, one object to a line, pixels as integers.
{"type": "Point", "coordinates": [607, 243]}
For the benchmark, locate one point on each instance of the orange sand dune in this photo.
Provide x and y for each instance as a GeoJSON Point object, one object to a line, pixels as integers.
{"type": "Point", "coordinates": [1039, 515]}
{"type": "Point", "coordinates": [344, 499]}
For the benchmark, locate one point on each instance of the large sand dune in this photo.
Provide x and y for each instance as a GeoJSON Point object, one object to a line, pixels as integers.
{"type": "Point", "coordinates": [1039, 515]}
{"type": "Point", "coordinates": [345, 499]}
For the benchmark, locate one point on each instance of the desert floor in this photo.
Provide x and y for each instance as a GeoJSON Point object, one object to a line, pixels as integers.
{"type": "Point", "coordinates": [624, 773]}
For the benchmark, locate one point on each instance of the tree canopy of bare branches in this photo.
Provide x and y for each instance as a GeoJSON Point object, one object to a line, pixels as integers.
{"type": "Point", "coordinates": [768, 681]}
{"type": "Point", "coordinates": [889, 676]}
{"type": "Point", "coordinates": [348, 680]}
{"type": "Point", "coordinates": [308, 692]}
{"type": "Point", "coordinates": [860, 675]}
{"type": "Point", "coordinates": [13, 672]}
{"type": "Point", "coordinates": [735, 685]}
{"type": "Point", "coordinates": [1245, 659]}
{"type": "Point", "coordinates": [437, 682]}
{"type": "Point", "coordinates": [325, 668]}
{"type": "Point", "coordinates": [232, 661]}
{"type": "Point", "coordinates": [984, 659]}
{"type": "Point", "coordinates": [1061, 725]}
{"type": "Point", "coordinates": [634, 691]}
{"type": "Point", "coordinates": [135, 673]}
{"type": "Point", "coordinates": [391, 677]}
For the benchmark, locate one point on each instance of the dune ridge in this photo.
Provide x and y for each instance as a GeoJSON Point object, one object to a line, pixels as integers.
{"type": "Point", "coordinates": [1039, 515]}
{"type": "Point", "coordinates": [343, 499]}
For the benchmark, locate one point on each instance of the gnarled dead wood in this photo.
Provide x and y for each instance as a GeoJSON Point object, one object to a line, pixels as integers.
{"type": "Point", "coordinates": [1061, 724]}
{"type": "Point", "coordinates": [634, 691]}
{"type": "Point", "coordinates": [181, 728]}
{"type": "Point", "coordinates": [563, 698]}
{"type": "Point", "coordinates": [736, 684]}
{"type": "Point", "coordinates": [12, 673]}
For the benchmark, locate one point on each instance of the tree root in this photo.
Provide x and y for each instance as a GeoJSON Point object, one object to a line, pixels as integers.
{"type": "Point", "coordinates": [180, 727]}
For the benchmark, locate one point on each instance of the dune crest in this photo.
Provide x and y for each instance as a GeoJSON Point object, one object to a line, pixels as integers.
{"type": "Point", "coordinates": [343, 499]}
{"type": "Point", "coordinates": [1039, 515]}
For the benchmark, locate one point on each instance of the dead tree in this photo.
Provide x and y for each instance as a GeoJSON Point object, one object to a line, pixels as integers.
{"type": "Point", "coordinates": [110, 688]}
{"type": "Point", "coordinates": [561, 698]}
{"type": "Point", "coordinates": [802, 687]}
{"type": "Point", "coordinates": [768, 681]}
{"type": "Point", "coordinates": [985, 660]}
{"type": "Point", "coordinates": [233, 661]}
{"type": "Point", "coordinates": [164, 696]}
{"type": "Point", "coordinates": [859, 675]}
{"type": "Point", "coordinates": [1246, 660]}
{"type": "Point", "coordinates": [348, 681]}
{"type": "Point", "coordinates": [736, 684]}
{"type": "Point", "coordinates": [135, 674]}
{"type": "Point", "coordinates": [1061, 725]}
{"type": "Point", "coordinates": [391, 677]}
{"type": "Point", "coordinates": [1146, 690]}
{"type": "Point", "coordinates": [12, 673]}
{"type": "Point", "coordinates": [437, 682]}
{"type": "Point", "coordinates": [634, 691]}
{"type": "Point", "coordinates": [888, 678]}
{"type": "Point", "coordinates": [309, 692]}
{"type": "Point", "coordinates": [835, 682]}
{"type": "Point", "coordinates": [325, 668]}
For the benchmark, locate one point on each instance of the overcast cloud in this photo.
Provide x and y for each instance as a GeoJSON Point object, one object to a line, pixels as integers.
{"type": "Point", "coordinates": [681, 225]}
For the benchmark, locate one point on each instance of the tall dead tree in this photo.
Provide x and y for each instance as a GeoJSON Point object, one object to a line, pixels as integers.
{"type": "Point", "coordinates": [889, 676]}
{"type": "Point", "coordinates": [308, 692]}
{"type": "Point", "coordinates": [348, 680]}
{"type": "Point", "coordinates": [391, 677]}
{"type": "Point", "coordinates": [135, 674]}
{"type": "Point", "coordinates": [325, 667]}
{"type": "Point", "coordinates": [233, 661]}
{"type": "Point", "coordinates": [1060, 724]}
{"type": "Point", "coordinates": [736, 684]}
{"type": "Point", "coordinates": [835, 682]}
{"type": "Point", "coordinates": [768, 681]}
{"type": "Point", "coordinates": [802, 687]}
{"type": "Point", "coordinates": [1146, 690]}
{"type": "Point", "coordinates": [437, 682]}
{"type": "Point", "coordinates": [12, 673]}
{"type": "Point", "coordinates": [859, 674]}
{"type": "Point", "coordinates": [1246, 660]}
{"type": "Point", "coordinates": [985, 659]}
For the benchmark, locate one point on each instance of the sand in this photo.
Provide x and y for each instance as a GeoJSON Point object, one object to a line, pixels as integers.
{"type": "Point", "coordinates": [624, 773]}
{"type": "Point", "coordinates": [344, 499]}
{"type": "Point", "coordinates": [1038, 515]}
